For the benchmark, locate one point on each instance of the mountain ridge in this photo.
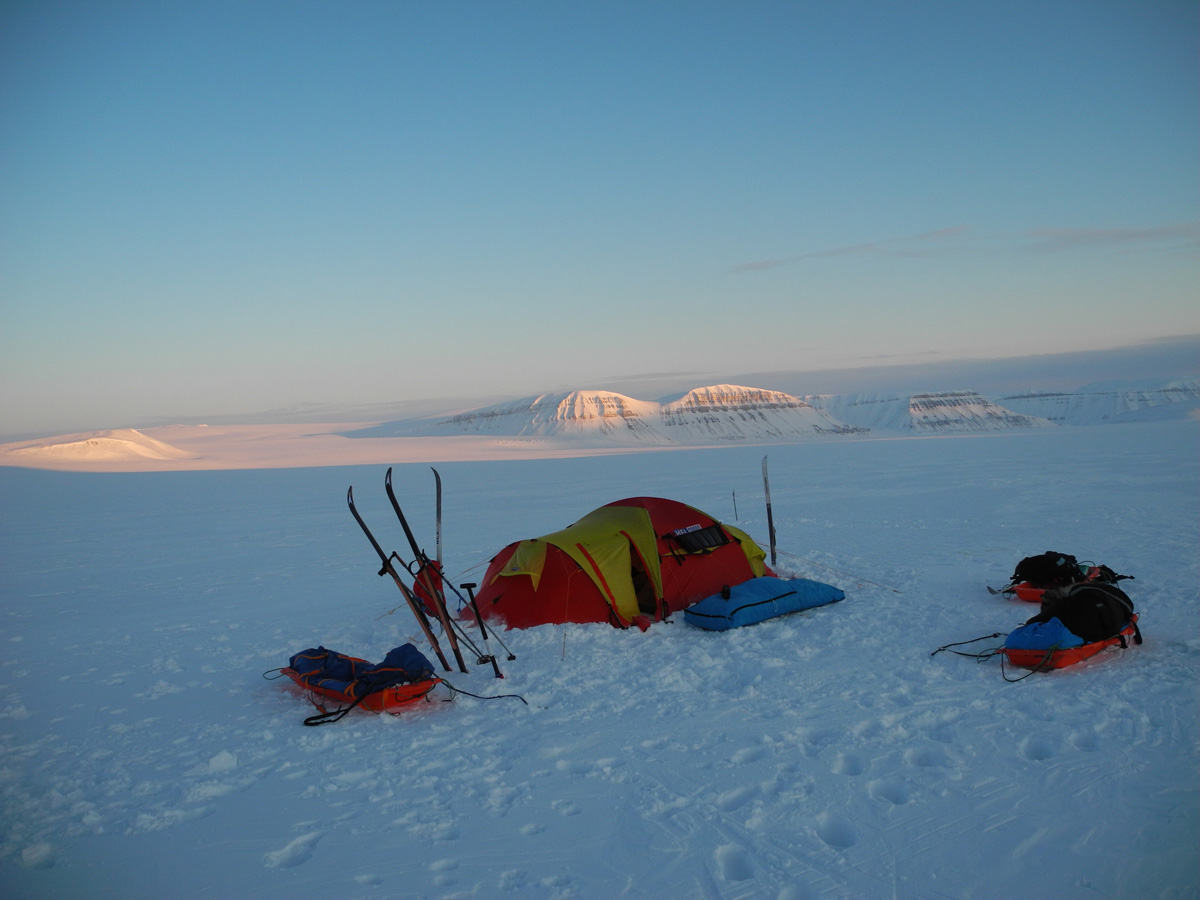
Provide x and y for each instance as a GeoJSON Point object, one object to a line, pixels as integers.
{"type": "Point", "coordinates": [721, 413]}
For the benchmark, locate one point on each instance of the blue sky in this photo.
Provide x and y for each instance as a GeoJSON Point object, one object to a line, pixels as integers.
{"type": "Point", "coordinates": [227, 207]}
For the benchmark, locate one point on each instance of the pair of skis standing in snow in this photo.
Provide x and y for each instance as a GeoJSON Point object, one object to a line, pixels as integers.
{"type": "Point", "coordinates": [428, 582]}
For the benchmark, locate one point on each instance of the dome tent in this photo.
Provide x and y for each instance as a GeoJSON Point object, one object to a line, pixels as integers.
{"type": "Point", "coordinates": [640, 557]}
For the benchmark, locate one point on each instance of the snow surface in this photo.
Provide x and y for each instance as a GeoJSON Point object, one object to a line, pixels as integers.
{"type": "Point", "coordinates": [823, 755]}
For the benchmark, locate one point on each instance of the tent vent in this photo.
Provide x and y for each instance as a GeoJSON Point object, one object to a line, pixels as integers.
{"type": "Point", "coordinates": [698, 538]}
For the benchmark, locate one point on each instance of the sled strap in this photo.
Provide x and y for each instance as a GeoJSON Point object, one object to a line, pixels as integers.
{"type": "Point", "coordinates": [323, 717]}
{"type": "Point", "coordinates": [480, 697]}
{"type": "Point", "coordinates": [987, 654]}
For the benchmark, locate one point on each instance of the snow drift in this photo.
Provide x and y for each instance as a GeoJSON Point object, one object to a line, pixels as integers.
{"type": "Point", "coordinates": [105, 446]}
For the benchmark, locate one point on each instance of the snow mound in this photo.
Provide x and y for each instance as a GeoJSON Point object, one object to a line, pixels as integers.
{"type": "Point", "coordinates": [103, 446]}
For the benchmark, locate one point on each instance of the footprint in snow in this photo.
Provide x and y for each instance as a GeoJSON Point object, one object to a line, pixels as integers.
{"type": "Point", "coordinates": [847, 764]}
{"type": "Point", "coordinates": [296, 852]}
{"type": "Point", "coordinates": [1036, 749]}
{"type": "Point", "coordinates": [925, 757]}
{"type": "Point", "coordinates": [733, 863]}
{"type": "Point", "coordinates": [836, 830]}
{"type": "Point", "coordinates": [893, 792]}
{"type": "Point", "coordinates": [369, 879]}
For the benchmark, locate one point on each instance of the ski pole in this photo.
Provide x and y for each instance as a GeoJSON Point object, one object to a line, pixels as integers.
{"type": "Point", "coordinates": [491, 657]}
{"type": "Point", "coordinates": [478, 617]}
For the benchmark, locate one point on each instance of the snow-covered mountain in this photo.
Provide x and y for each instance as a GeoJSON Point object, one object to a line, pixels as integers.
{"type": "Point", "coordinates": [715, 414]}
{"type": "Point", "coordinates": [948, 411]}
{"type": "Point", "coordinates": [1176, 400]}
{"type": "Point", "coordinates": [574, 413]}
{"type": "Point", "coordinates": [730, 412]}
{"type": "Point", "coordinates": [719, 413]}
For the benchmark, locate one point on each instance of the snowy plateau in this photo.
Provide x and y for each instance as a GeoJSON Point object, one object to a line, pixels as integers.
{"type": "Point", "coordinates": [820, 756]}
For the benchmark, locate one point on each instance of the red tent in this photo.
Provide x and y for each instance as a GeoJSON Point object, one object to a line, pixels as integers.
{"type": "Point", "coordinates": [637, 559]}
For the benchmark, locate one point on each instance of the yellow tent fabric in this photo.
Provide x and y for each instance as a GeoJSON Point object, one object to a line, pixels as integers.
{"type": "Point", "coordinates": [590, 543]}
{"type": "Point", "coordinates": [528, 559]}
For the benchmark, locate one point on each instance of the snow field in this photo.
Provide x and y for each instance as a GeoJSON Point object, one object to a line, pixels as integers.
{"type": "Point", "coordinates": [822, 755]}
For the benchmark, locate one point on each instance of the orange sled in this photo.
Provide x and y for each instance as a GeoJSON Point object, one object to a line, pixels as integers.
{"type": "Point", "coordinates": [390, 699]}
{"type": "Point", "coordinates": [1059, 659]}
{"type": "Point", "coordinates": [1032, 593]}
{"type": "Point", "coordinates": [403, 678]}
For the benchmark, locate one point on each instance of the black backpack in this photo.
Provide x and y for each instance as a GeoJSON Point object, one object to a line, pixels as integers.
{"type": "Point", "coordinates": [1049, 569]}
{"type": "Point", "coordinates": [1092, 611]}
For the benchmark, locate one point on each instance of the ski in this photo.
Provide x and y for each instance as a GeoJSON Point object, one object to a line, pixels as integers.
{"type": "Point", "coordinates": [438, 515]}
{"type": "Point", "coordinates": [389, 569]}
{"type": "Point", "coordinates": [770, 518]}
{"type": "Point", "coordinates": [421, 561]}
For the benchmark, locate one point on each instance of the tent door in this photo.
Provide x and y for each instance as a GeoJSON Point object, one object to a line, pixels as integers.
{"type": "Point", "coordinates": [643, 587]}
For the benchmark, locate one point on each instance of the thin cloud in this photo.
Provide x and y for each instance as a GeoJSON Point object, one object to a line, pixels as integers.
{"type": "Point", "coordinates": [928, 243]}
{"type": "Point", "coordinates": [1055, 240]}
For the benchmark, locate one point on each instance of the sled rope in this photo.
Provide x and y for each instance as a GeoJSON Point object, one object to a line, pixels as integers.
{"type": "Point", "coordinates": [480, 697]}
{"type": "Point", "coordinates": [324, 717]}
{"type": "Point", "coordinates": [980, 657]}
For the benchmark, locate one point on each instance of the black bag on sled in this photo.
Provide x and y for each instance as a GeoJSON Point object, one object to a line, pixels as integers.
{"type": "Point", "coordinates": [1048, 569]}
{"type": "Point", "coordinates": [1090, 610]}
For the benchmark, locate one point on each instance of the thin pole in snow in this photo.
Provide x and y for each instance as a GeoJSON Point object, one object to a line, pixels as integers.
{"type": "Point", "coordinates": [438, 514]}
{"type": "Point", "coordinates": [770, 518]}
